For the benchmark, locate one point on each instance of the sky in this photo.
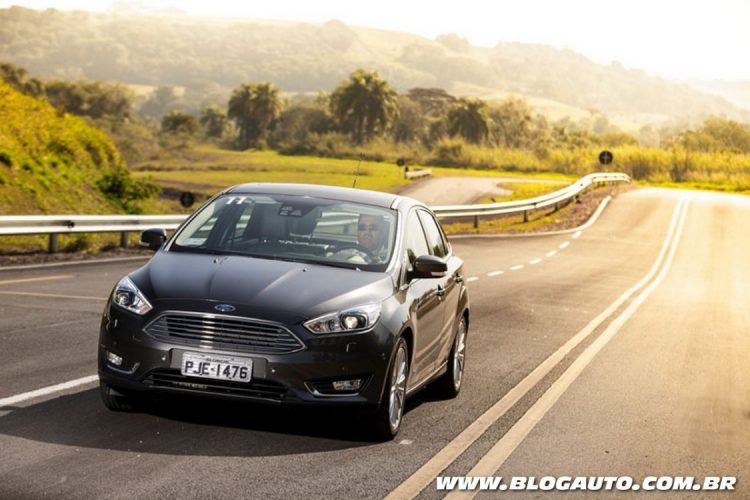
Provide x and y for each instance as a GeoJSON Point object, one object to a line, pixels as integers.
{"type": "Point", "coordinates": [678, 39]}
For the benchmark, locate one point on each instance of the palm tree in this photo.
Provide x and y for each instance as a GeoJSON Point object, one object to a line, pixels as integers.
{"type": "Point", "coordinates": [214, 122]}
{"type": "Point", "coordinates": [364, 104]}
{"type": "Point", "coordinates": [468, 118]}
{"type": "Point", "coordinates": [254, 107]}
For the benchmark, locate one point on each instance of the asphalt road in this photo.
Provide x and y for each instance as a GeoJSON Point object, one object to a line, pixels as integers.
{"type": "Point", "coordinates": [462, 190]}
{"type": "Point", "coordinates": [621, 350]}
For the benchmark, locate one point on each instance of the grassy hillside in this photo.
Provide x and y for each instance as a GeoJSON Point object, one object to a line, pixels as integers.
{"type": "Point", "coordinates": [51, 162]}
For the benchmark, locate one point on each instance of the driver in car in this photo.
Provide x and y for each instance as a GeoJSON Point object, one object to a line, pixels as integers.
{"type": "Point", "coordinates": [371, 234]}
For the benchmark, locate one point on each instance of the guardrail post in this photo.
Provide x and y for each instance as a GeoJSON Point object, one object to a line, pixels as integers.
{"type": "Point", "coordinates": [476, 222]}
{"type": "Point", "coordinates": [526, 216]}
{"type": "Point", "coordinates": [52, 247]}
{"type": "Point", "coordinates": [124, 239]}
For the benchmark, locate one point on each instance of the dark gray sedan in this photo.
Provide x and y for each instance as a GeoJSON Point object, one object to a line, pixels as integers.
{"type": "Point", "coordinates": [291, 294]}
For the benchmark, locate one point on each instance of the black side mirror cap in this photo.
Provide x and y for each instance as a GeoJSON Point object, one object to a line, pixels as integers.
{"type": "Point", "coordinates": [153, 238]}
{"type": "Point", "coordinates": [429, 266]}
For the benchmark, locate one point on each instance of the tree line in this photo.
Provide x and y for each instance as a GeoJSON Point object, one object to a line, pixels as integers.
{"type": "Point", "coordinates": [362, 108]}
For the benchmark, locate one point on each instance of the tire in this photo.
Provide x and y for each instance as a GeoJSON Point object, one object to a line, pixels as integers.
{"type": "Point", "coordinates": [115, 400]}
{"type": "Point", "coordinates": [449, 385]}
{"type": "Point", "coordinates": [388, 418]}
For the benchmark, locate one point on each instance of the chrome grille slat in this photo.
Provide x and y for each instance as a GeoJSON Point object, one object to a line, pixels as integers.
{"type": "Point", "coordinates": [212, 331]}
{"type": "Point", "coordinates": [210, 324]}
{"type": "Point", "coordinates": [248, 334]}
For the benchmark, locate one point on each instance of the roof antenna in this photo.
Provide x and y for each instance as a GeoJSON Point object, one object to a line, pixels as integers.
{"type": "Point", "coordinates": [356, 174]}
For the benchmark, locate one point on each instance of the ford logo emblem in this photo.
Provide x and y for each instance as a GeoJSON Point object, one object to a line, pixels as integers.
{"type": "Point", "coordinates": [225, 308]}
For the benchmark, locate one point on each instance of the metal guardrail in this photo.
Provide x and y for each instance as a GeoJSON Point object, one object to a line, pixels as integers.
{"type": "Point", "coordinates": [54, 225]}
{"type": "Point", "coordinates": [415, 174]}
{"type": "Point", "coordinates": [555, 199]}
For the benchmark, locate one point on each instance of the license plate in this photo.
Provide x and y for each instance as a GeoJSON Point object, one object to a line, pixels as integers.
{"type": "Point", "coordinates": [216, 367]}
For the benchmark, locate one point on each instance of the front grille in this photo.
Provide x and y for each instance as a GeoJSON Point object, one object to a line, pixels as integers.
{"type": "Point", "coordinates": [257, 388]}
{"type": "Point", "coordinates": [230, 332]}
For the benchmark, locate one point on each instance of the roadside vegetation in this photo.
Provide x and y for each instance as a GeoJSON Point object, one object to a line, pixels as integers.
{"type": "Point", "coordinates": [93, 147]}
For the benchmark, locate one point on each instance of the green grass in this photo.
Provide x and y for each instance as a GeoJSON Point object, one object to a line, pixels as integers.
{"type": "Point", "coordinates": [475, 172]}
{"type": "Point", "coordinates": [210, 169]}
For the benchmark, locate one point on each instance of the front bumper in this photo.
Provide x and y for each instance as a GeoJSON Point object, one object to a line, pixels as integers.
{"type": "Point", "coordinates": [304, 377]}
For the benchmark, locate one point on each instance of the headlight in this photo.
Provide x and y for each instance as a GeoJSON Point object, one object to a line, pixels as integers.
{"type": "Point", "coordinates": [352, 320]}
{"type": "Point", "coordinates": [127, 296]}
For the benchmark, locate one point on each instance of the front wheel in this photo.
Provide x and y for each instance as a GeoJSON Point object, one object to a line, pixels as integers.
{"type": "Point", "coordinates": [387, 420]}
{"type": "Point", "coordinates": [116, 401]}
{"type": "Point", "coordinates": [449, 385]}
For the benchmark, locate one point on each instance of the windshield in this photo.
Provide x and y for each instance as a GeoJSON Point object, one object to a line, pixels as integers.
{"type": "Point", "coordinates": [295, 228]}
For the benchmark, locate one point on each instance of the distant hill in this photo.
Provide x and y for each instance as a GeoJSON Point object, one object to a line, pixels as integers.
{"type": "Point", "coordinates": [301, 57]}
{"type": "Point", "coordinates": [736, 92]}
{"type": "Point", "coordinates": [50, 162]}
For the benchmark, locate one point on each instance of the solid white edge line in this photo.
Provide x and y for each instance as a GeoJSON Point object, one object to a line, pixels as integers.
{"type": "Point", "coordinates": [44, 391]}
{"type": "Point", "coordinates": [491, 462]}
{"type": "Point", "coordinates": [423, 476]}
{"type": "Point", "coordinates": [592, 220]}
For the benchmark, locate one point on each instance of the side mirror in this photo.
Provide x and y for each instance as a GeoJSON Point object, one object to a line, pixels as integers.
{"type": "Point", "coordinates": [429, 266]}
{"type": "Point", "coordinates": [153, 238]}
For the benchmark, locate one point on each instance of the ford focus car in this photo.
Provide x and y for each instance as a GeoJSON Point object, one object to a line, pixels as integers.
{"type": "Point", "coordinates": [291, 295]}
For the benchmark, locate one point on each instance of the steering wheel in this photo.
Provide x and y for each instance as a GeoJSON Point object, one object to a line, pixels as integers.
{"type": "Point", "coordinates": [355, 246]}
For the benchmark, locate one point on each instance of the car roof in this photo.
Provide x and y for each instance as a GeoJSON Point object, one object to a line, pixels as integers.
{"type": "Point", "coordinates": [377, 198]}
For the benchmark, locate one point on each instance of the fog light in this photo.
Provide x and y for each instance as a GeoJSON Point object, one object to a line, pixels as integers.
{"type": "Point", "coordinates": [114, 359]}
{"type": "Point", "coordinates": [347, 385]}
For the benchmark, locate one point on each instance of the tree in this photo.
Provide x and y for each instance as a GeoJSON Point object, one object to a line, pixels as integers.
{"type": "Point", "coordinates": [433, 102]}
{"type": "Point", "coordinates": [411, 124]}
{"type": "Point", "coordinates": [512, 124]}
{"type": "Point", "coordinates": [255, 108]}
{"type": "Point", "coordinates": [468, 119]}
{"type": "Point", "coordinates": [94, 99]}
{"type": "Point", "coordinates": [159, 103]}
{"type": "Point", "coordinates": [214, 122]}
{"type": "Point", "coordinates": [16, 76]}
{"type": "Point", "coordinates": [364, 105]}
{"type": "Point", "coordinates": [298, 124]}
{"type": "Point", "coordinates": [176, 122]}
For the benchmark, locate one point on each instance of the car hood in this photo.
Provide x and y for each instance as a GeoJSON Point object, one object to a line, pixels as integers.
{"type": "Point", "coordinates": [259, 287]}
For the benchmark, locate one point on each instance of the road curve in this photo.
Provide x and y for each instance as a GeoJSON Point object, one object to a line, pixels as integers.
{"type": "Point", "coordinates": [657, 386]}
{"type": "Point", "coordinates": [464, 190]}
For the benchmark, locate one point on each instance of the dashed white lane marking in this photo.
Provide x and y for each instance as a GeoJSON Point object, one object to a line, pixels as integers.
{"type": "Point", "coordinates": [40, 278]}
{"type": "Point", "coordinates": [406, 442]}
{"type": "Point", "coordinates": [19, 398]}
{"type": "Point", "coordinates": [564, 244]}
{"type": "Point", "coordinates": [551, 253]}
{"type": "Point", "coordinates": [473, 278]}
{"type": "Point", "coordinates": [535, 261]}
{"type": "Point", "coordinates": [517, 268]}
{"type": "Point", "coordinates": [495, 273]}
{"type": "Point", "coordinates": [576, 235]}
